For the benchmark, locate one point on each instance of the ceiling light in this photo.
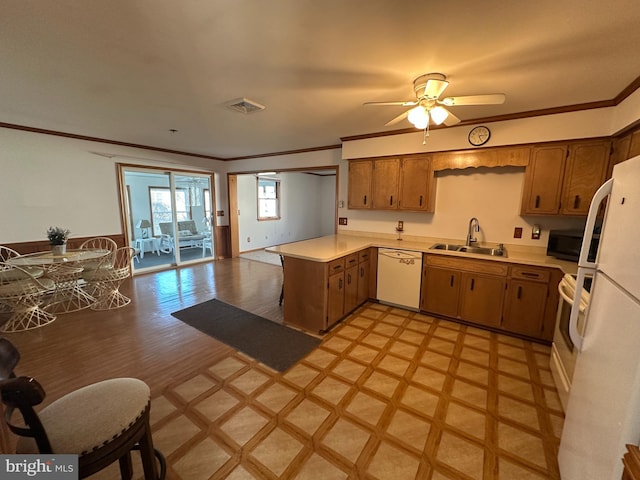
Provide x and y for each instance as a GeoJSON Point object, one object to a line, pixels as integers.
{"type": "Point", "coordinates": [419, 117]}
{"type": "Point", "coordinates": [438, 115]}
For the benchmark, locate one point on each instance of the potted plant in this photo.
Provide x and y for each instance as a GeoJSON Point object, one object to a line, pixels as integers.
{"type": "Point", "coordinates": [58, 239]}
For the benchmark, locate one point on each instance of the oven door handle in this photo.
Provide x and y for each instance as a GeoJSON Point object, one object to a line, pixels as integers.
{"type": "Point", "coordinates": [565, 296]}
{"type": "Point", "coordinates": [574, 333]}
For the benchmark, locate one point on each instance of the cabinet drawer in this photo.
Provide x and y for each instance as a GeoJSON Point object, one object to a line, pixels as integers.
{"type": "Point", "coordinates": [468, 265]}
{"type": "Point", "coordinates": [351, 260]}
{"type": "Point", "coordinates": [530, 273]}
{"type": "Point", "coordinates": [364, 255]}
{"type": "Point", "coordinates": [336, 266]}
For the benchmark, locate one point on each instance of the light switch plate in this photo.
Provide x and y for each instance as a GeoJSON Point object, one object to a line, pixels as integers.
{"type": "Point", "coordinates": [535, 232]}
{"type": "Point", "coordinates": [517, 232]}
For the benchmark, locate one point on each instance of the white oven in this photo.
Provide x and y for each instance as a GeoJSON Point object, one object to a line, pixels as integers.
{"type": "Point", "coordinates": [563, 352]}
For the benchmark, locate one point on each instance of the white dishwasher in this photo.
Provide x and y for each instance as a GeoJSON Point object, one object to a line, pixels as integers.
{"type": "Point", "coordinates": [399, 273]}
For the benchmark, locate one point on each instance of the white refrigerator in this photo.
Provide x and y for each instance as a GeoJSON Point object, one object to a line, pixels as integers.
{"type": "Point", "coordinates": [603, 412]}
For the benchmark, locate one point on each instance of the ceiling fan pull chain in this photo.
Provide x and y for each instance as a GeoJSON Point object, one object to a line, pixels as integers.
{"type": "Point", "coordinates": [426, 134]}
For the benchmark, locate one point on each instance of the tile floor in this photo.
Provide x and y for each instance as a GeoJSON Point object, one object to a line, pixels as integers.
{"type": "Point", "coordinates": [389, 394]}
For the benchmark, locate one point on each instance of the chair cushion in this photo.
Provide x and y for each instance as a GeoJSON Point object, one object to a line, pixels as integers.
{"type": "Point", "coordinates": [27, 286]}
{"type": "Point", "coordinates": [90, 417]}
{"type": "Point", "coordinates": [12, 274]}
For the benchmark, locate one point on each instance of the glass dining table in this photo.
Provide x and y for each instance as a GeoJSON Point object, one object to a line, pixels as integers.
{"type": "Point", "coordinates": [66, 272]}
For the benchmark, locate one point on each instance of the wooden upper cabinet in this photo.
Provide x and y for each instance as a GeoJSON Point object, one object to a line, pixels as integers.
{"type": "Point", "coordinates": [360, 175]}
{"type": "Point", "coordinates": [386, 177]}
{"type": "Point", "coordinates": [634, 147]}
{"type": "Point", "coordinates": [584, 173]}
{"type": "Point", "coordinates": [620, 149]}
{"type": "Point", "coordinates": [416, 184]}
{"type": "Point", "coordinates": [543, 180]}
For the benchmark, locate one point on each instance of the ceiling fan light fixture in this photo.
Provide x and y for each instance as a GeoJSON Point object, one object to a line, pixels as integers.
{"type": "Point", "coordinates": [419, 117]}
{"type": "Point", "coordinates": [438, 115]}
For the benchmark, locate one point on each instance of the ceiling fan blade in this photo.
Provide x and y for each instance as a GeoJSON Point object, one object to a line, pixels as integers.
{"type": "Point", "coordinates": [434, 88]}
{"type": "Point", "coordinates": [399, 104]}
{"type": "Point", "coordinates": [490, 99]}
{"type": "Point", "coordinates": [451, 120]}
{"type": "Point", "coordinates": [397, 119]}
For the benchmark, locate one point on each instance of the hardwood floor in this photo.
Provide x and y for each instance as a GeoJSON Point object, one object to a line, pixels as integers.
{"type": "Point", "coordinates": [143, 339]}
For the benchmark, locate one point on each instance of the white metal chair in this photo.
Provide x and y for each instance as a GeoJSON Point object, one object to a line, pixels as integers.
{"type": "Point", "coordinates": [22, 292]}
{"type": "Point", "coordinates": [6, 253]}
{"type": "Point", "coordinates": [68, 295]}
{"type": "Point", "coordinates": [104, 282]}
{"type": "Point", "coordinates": [99, 243]}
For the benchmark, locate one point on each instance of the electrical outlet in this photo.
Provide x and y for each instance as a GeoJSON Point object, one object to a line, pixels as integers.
{"type": "Point", "coordinates": [342, 220]}
{"type": "Point", "coordinates": [400, 225]}
{"type": "Point", "coordinates": [517, 232]}
{"type": "Point", "coordinates": [248, 239]}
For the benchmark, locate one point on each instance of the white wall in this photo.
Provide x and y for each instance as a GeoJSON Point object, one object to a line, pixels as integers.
{"type": "Point", "coordinates": [48, 180]}
{"type": "Point", "coordinates": [307, 210]}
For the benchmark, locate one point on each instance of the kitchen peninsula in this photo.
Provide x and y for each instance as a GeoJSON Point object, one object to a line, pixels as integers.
{"type": "Point", "coordinates": [327, 278]}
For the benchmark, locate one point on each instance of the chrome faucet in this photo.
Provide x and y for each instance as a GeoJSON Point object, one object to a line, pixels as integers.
{"type": "Point", "coordinates": [470, 238]}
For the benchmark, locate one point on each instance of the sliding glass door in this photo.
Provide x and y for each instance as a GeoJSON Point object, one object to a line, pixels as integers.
{"type": "Point", "coordinates": [169, 215]}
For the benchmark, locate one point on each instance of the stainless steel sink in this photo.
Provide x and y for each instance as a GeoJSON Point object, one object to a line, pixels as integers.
{"type": "Point", "coordinates": [446, 246]}
{"type": "Point", "coordinates": [496, 252]}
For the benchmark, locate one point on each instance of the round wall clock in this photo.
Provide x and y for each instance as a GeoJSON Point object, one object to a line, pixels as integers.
{"type": "Point", "coordinates": [479, 135]}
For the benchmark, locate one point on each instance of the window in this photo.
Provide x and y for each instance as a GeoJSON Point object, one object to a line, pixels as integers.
{"type": "Point", "coordinates": [268, 199]}
{"type": "Point", "coordinates": [160, 198]}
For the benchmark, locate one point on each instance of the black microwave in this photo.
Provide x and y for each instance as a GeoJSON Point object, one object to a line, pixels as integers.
{"type": "Point", "coordinates": [566, 245]}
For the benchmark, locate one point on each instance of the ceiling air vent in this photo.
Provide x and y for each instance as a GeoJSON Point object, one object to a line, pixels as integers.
{"type": "Point", "coordinates": [244, 105]}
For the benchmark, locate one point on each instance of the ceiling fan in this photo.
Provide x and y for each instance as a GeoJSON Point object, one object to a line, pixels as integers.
{"type": "Point", "coordinates": [428, 105]}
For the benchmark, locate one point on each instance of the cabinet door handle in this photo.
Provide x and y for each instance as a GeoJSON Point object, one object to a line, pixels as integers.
{"type": "Point", "coordinates": [519, 295]}
{"type": "Point", "coordinates": [473, 282]}
{"type": "Point", "coordinates": [530, 274]}
{"type": "Point", "coordinates": [576, 202]}
{"type": "Point", "coordinates": [537, 205]}
{"type": "Point", "coordinates": [391, 200]}
{"type": "Point", "coordinates": [348, 279]}
{"type": "Point", "coordinates": [340, 283]}
{"type": "Point", "coordinates": [451, 281]}
{"type": "Point", "coordinates": [420, 200]}
{"type": "Point", "coordinates": [337, 267]}
{"type": "Point", "coordinates": [361, 272]}
{"type": "Point", "coordinates": [364, 200]}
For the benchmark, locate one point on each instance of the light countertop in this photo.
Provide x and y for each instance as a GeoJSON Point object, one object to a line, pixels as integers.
{"type": "Point", "coordinates": [326, 249]}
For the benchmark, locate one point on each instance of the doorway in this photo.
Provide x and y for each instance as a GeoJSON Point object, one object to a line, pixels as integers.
{"type": "Point", "coordinates": [272, 208]}
{"type": "Point", "coordinates": [169, 216]}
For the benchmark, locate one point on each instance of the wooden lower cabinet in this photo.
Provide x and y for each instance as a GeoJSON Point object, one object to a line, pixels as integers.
{"type": "Point", "coordinates": [481, 299]}
{"type": "Point", "coordinates": [318, 294]}
{"type": "Point", "coordinates": [512, 298]}
{"type": "Point", "coordinates": [336, 297]}
{"type": "Point", "coordinates": [350, 289]}
{"type": "Point", "coordinates": [440, 290]}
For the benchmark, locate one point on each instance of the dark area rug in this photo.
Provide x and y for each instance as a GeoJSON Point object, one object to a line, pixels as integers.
{"type": "Point", "coordinates": [276, 346]}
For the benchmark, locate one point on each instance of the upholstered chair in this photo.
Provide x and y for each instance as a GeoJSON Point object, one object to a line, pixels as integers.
{"type": "Point", "coordinates": [101, 423]}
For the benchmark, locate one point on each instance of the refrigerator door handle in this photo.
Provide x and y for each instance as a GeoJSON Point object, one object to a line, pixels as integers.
{"type": "Point", "coordinates": [576, 336]}
{"type": "Point", "coordinates": [602, 193]}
